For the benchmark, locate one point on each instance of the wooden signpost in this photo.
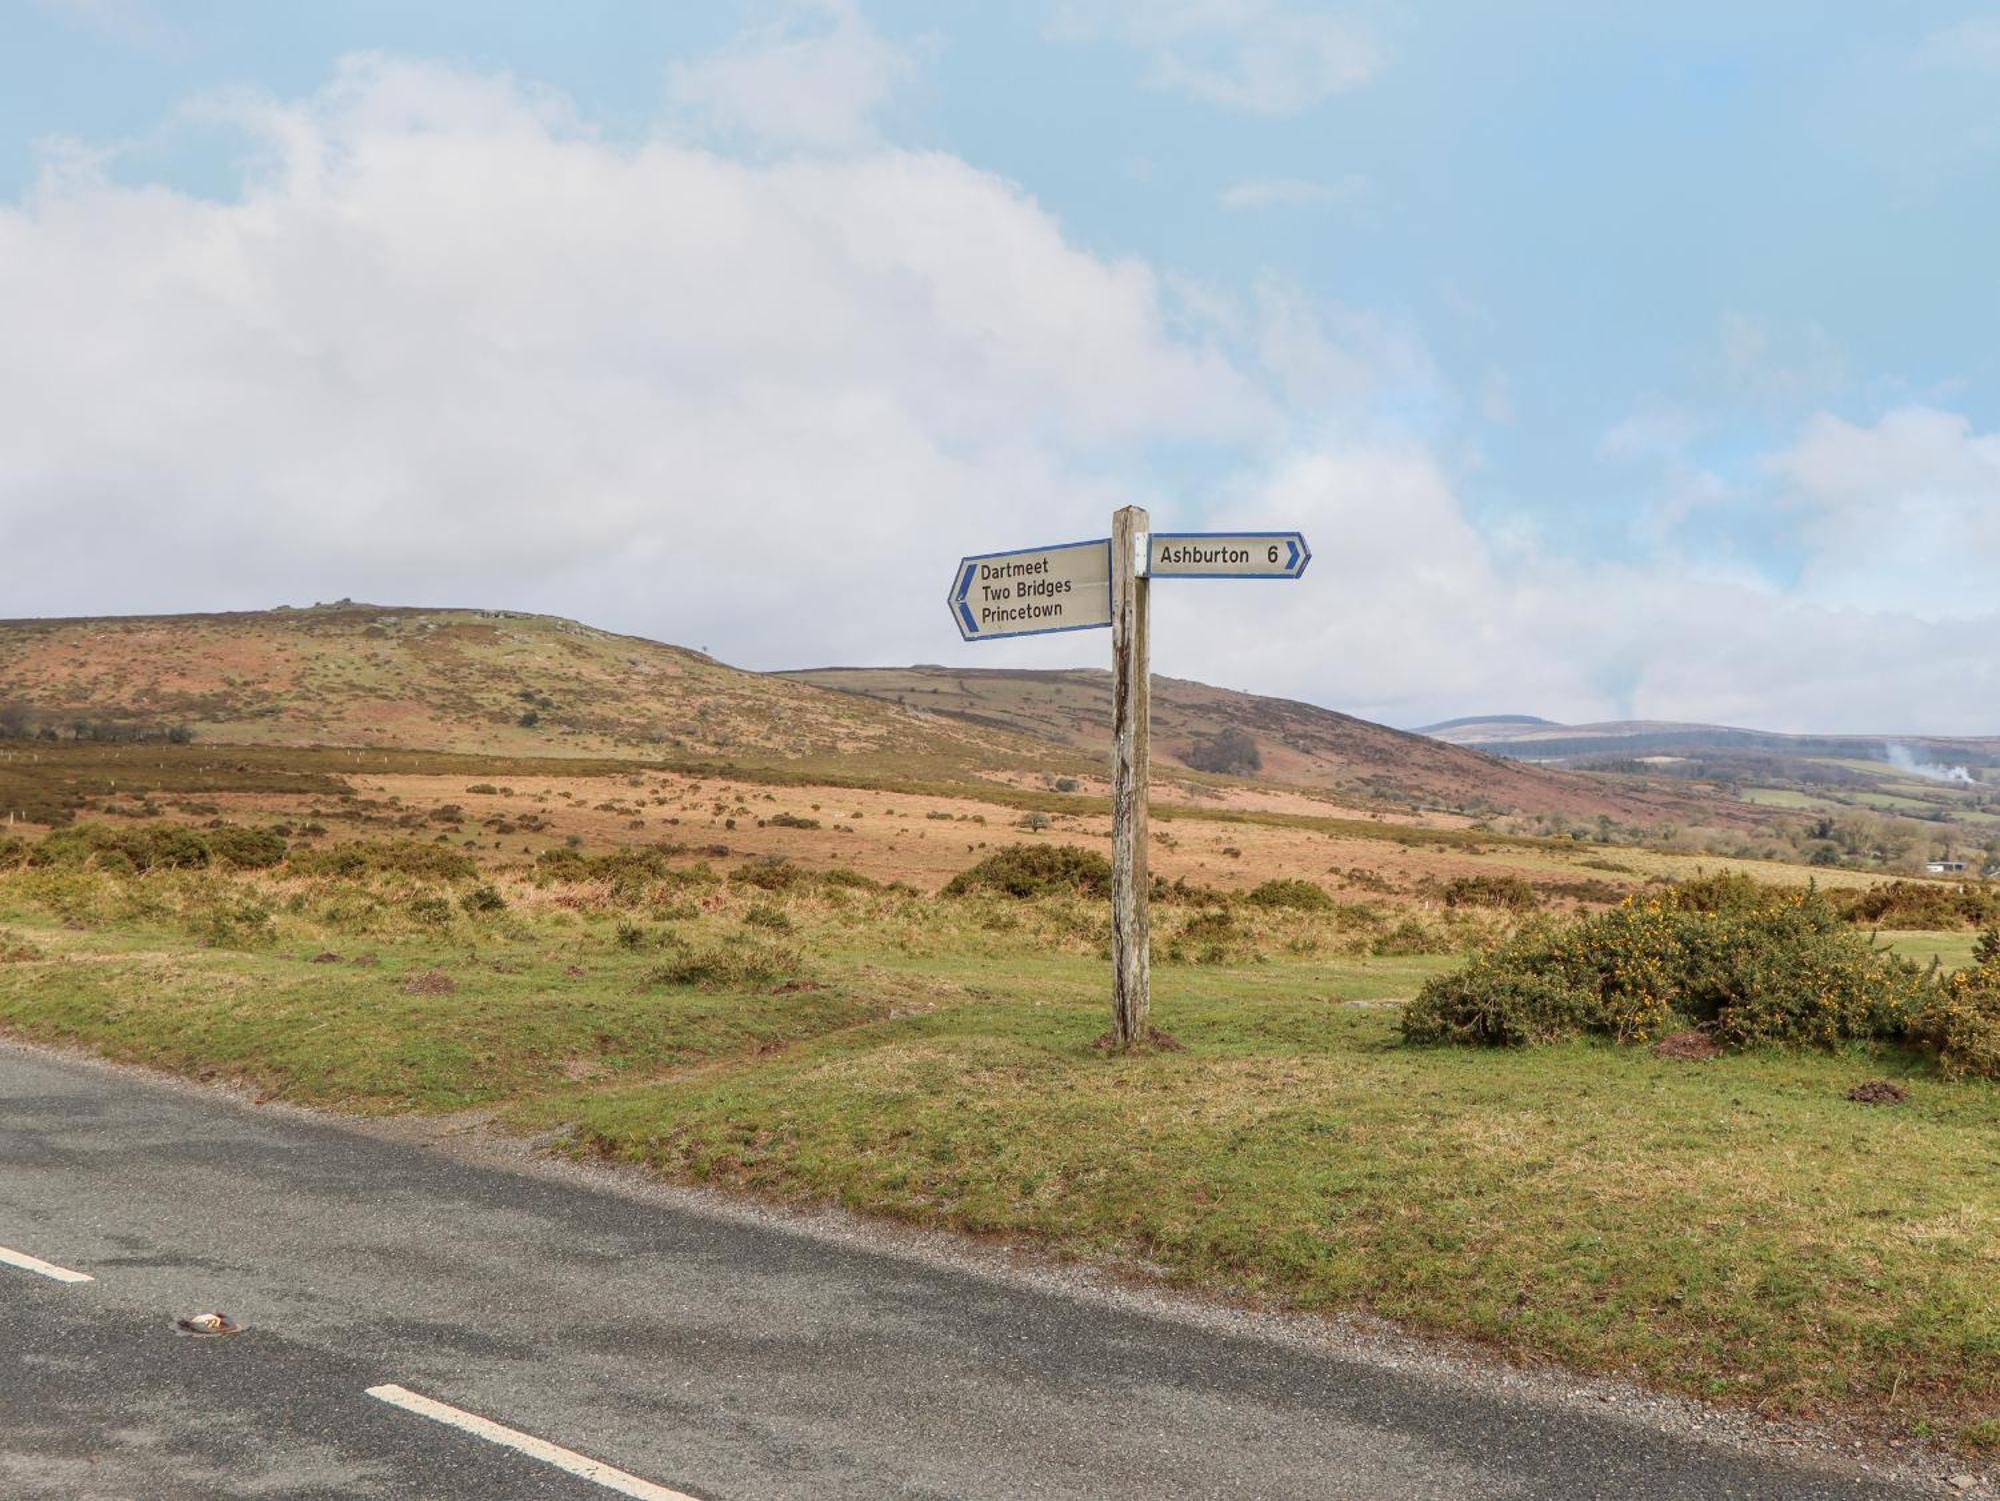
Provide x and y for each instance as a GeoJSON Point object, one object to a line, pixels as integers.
{"type": "Point", "coordinates": [1077, 586]}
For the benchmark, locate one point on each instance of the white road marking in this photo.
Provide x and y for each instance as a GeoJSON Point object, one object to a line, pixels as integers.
{"type": "Point", "coordinates": [49, 1269]}
{"type": "Point", "coordinates": [536, 1448]}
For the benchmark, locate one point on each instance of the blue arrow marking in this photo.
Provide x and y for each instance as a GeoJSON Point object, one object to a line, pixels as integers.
{"type": "Point", "coordinates": [964, 588]}
{"type": "Point", "coordinates": [1292, 563]}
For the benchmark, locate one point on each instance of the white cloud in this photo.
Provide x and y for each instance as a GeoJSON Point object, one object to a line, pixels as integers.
{"type": "Point", "coordinates": [1293, 192]}
{"type": "Point", "coordinates": [1903, 514]}
{"type": "Point", "coordinates": [449, 347]}
{"type": "Point", "coordinates": [1257, 56]}
{"type": "Point", "coordinates": [815, 78]}
{"type": "Point", "coordinates": [1414, 614]}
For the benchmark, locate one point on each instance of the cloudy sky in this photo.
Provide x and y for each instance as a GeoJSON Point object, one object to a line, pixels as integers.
{"type": "Point", "coordinates": [1617, 360]}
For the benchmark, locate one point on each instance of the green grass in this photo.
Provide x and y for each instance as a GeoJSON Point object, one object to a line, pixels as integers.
{"type": "Point", "coordinates": [1952, 950]}
{"type": "Point", "coordinates": [1736, 1230]}
{"type": "Point", "coordinates": [1783, 797]}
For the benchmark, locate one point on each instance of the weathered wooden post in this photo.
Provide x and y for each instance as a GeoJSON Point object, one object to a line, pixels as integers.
{"type": "Point", "coordinates": [1131, 731]}
{"type": "Point", "coordinates": [1081, 586]}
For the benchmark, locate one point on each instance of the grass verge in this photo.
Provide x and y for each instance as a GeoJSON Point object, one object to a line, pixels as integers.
{"type": "Point", "coordinates": [1736, 1229]}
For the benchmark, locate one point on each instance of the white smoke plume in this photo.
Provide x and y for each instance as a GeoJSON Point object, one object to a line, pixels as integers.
{"type": "Point", "coordinates": [1901, 756]}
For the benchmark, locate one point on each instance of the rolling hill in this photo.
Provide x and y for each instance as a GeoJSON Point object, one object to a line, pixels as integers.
{"type": "Point", "coordinates": [509, 684]}
{"type": "Point", "coordinates": [493, 682]}
{"type": "Point", "coordinates": [1298, 744]}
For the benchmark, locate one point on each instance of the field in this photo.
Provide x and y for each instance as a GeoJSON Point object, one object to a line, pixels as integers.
{"type": "Point", "coordinates": [1736, 1229]}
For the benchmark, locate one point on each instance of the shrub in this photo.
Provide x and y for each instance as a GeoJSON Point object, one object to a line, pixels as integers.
{"type": "Point", "coordinates": [1922, 904]}
{"type": "Point", "coordinates": [483, 899]}
{"type": "Point", "coordinates": [764, 915]}
{"type": "Point", "coordinates": [1230, 752]}
{"type": "Point", "coordinates": [1507, 893]}
{"type": "Point", "coordinates": [1599, 893]}
{"type": "Point", "coordinates": [1209, 937]}
{"type": "Point", "coordinates": [431, 910]}
{"type": "Point", "coordinates": [230, 923]}
{"type": "Point", "coordinates": [248, 849]}
{"type": "Point", "coordinates": [770, 875]}
{"type": "Point", "coordinates": [161, 848]}
{"type": "Point", "coordinates": [1187, 893]}
{"type": "Point", "coordinates": [1791, 972]}
{"type": "Point", "coordinates": [791, 821]}
{"type": "Point", "coordinates": [1026, 871]}
{"type": "Point", "coordinates": [841, 878]}
{"type": "Point", "coordinates": [1961, 1021]}
{"type": "Point", "coordinates": [1498, 1007]}
{"type": "Point", "coordinates": [1291, 894]}
{"type": "Point", "coordinates": [732, 965]}
{"type": "Point", "coordinates": [1725, 893]}
{"type": "Point", "coordinates": [629, 872]}
{"type": "Point", "coordinates": [395, 857]}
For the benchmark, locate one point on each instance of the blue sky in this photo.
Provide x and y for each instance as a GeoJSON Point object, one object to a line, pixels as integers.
{"type": "Point", "coordinates": [1687, 311]}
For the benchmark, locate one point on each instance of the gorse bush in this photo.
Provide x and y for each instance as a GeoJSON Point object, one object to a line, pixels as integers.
{"type": "Point", "coordinates": [630, 873]}
{"type": "Point", "coordinates": [1787, 971]}
{"type": "Point", "coordinates": [163, 847]}
{"type": "Point", "coordinates": [483, 899]}
{"type": "Point", "coordinates": [1027, 871]}
{"type": "Point", "coordinates": [1922, 904]}
{"type": "Point", "coordinates": [1505, 893]}
{"type": "Point", "coordinates": [1961, 1020]}
{"type": "Point", "coordinates": [771, 874]}
{"type": "Point", "coordinates": [1727, 893]}
{"type": "Point", "coordinates": [428, 862]}
{"type": "Point", "coordinates": [1290, 894]}
{"type": "Point", "coordinates": [247, 848]}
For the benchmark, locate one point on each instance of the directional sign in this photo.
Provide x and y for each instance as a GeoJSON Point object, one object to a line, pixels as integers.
{"type": "Point", "coordinates": [1228, 555]}
{"type": "Point", "coordinates": [1033, 591]}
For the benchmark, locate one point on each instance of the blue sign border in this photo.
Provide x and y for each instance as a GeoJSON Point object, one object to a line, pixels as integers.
{"type": "Point", "coordinates": [961, 585]}
{"type": "Point", "coordinates": [1296, 537]}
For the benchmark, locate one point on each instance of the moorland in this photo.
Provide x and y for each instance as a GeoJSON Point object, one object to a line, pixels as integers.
{"type": "Point", "coordinates": [820, 945]}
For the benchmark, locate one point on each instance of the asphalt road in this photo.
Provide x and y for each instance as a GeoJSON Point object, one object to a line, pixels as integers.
{"type": "Point", "coordinates": [703, 1354]}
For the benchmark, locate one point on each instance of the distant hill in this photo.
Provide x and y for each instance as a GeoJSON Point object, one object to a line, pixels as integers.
{"type": "Point", "coordinates": [1527, 738]}
{"type": "Point", "coordinates": [1297, 743]}
{"type": "Point", "coordinates": [1925, 777]}
{"type": "Point", "coordinates": [497, 682]}
{"type": "Point", "coordinates": [1472, 721]}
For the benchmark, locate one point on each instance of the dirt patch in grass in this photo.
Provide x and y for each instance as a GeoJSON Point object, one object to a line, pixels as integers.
{"type": "Point", "coordinates": [431, 982]}
{"type": "Point", "coordinates": [1692, 1045]}
{"type": "Point", "coordinates": [1879, 1092]}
